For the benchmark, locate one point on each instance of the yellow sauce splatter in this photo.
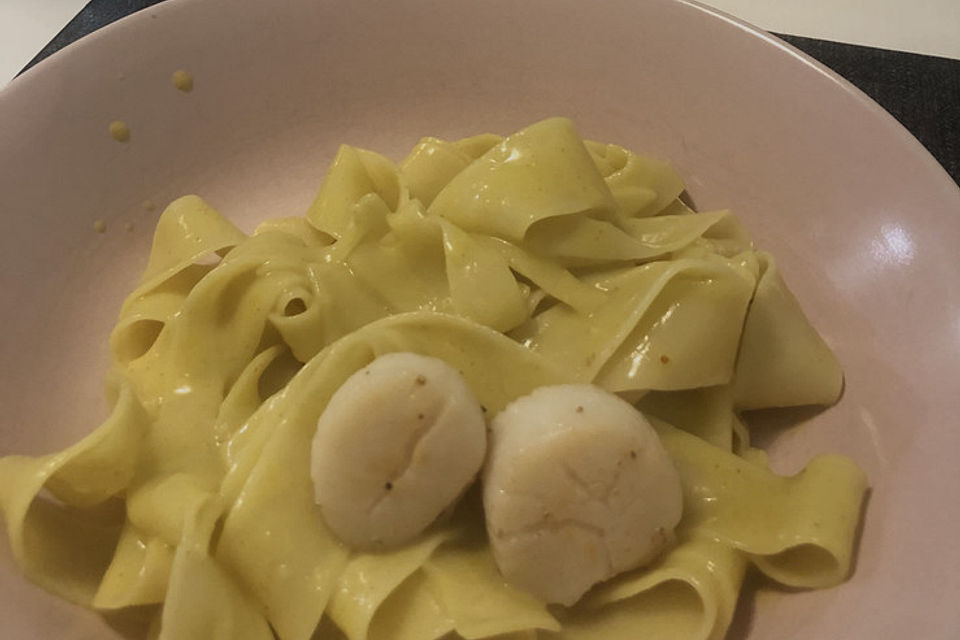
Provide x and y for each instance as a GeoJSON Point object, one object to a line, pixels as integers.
{"type": "Point", "coordinates": [119, 131]}
{"type": "Point", "coordinates": [148, 205]}
{"type": "Point", "coordinates": [99, 226]}
{"type": "Point", "coordinates": [182, 80]}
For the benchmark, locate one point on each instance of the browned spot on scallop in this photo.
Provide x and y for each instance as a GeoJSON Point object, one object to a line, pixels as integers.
{"type": "Point", "coordinates": [419, 416]}
{"type": "Point", "coordinates": [579, 409]}
{"type": "Point", "coordinates": [388, 486]}
{"type": "Point", "coordinates": [633, 454]}
{"type": "Point", "coordinates": [421, 380]}
{"type": "Point", "coordinates": [659, 536]}
{"type": "Point", "coordinates": [593, 551]}
{"type": "Point", "coordinates": [664, 359]}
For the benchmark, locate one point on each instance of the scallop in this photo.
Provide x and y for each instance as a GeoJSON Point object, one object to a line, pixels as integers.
{"type": "Point", "coordinates": [396, 446]}
{"type": "Point", "coordinates": [577, 488]}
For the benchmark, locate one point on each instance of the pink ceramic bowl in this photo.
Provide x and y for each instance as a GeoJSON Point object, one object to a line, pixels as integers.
{"type": "Point", "coordinates": [863, 221]}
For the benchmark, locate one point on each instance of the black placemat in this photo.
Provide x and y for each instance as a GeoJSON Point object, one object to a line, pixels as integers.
{"type": "Point", "coordinates": [922, 92]}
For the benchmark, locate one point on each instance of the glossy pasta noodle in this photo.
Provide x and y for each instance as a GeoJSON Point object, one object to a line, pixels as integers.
{"type": "Point", "coordinates": [532, 260]}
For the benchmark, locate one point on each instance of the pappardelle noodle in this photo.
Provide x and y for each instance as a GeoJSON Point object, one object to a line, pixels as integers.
{"type": "Point", "coordinates": [525, 261]}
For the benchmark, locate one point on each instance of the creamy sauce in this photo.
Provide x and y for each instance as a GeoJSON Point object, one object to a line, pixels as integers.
{"type": "Point", "coordinates": [119, 131]}
{"type": "Point", "coordinates": [182, 80]}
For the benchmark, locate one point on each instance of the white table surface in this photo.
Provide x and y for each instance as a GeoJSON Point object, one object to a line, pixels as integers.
{"type": "Point", "coordinates": [930, 27]}
{"type": "Point", "coordinates": [920, 26]}
{"type": "Point", "coordinates": [26, 26]}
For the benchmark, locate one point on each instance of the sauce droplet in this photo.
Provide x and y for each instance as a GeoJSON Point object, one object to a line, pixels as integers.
{"type": "Point", "coordinates": [148, 205]}
{"type": "Point", "coordinates": [119, 131]}
{"type": "Point", "coordinates": [182, 80]}
{"type": "Point", "coordinates": [99, 226]}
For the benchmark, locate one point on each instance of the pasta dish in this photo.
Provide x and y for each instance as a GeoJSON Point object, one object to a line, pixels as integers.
{"type": "Point", "coordinates": [593, 343]}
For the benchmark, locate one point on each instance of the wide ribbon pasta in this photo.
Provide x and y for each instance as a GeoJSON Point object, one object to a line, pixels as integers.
{"type": "Point", "coordinates": [524, 261]}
